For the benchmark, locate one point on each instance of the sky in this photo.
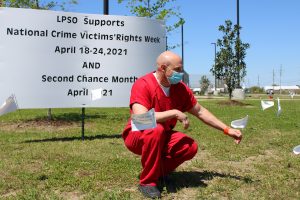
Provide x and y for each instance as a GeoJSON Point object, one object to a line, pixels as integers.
{"type": "Point", "coordinates": [271, 27]}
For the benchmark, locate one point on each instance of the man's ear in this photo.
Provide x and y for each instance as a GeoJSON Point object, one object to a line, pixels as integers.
{"type": "Point", "coordinates": [163, 67]}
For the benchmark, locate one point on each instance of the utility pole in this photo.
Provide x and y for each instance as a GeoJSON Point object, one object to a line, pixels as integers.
{"type": "Point", "coordinates": [238, 38]}
{"type": "Point", "coordinates": [182, 52]}
{"type": "Point", "coordinates": [105, 7]}
{"type": "Point", "coordinates": [215, 64]}
{"type": "Point", "coordinates": [248, 83]}
{"type": "Point", "coordinates": [166, 43]}
{"type": "Point", "coordinates": [258, 81]}
{"type": "Point", "coordinates": [273, 79]}
{"type": "Point", "coordinates": [280, 73]}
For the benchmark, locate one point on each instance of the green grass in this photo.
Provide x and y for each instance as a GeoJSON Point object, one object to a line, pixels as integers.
{"type": "Point", "coordinates": [43, 159]}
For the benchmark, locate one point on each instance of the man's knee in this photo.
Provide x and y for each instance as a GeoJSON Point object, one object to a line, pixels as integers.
{"type": "Point", "coordinates": [186, 148]}
{"type": "Point", "coordinates": [192, 150]}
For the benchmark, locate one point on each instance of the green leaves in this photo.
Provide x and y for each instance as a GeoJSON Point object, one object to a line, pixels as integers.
{"type": "Point", "coordinates": [157, 9]}
{"type": "Point", "coordinates": [230, 65]}
{"type": "Point", "coordinates": [204, 84]}
{"type": "Point", "coordinates": [37, 4]}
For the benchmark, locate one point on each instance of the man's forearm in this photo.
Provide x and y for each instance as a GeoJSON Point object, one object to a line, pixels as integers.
{"type": "Point", "coordinates": [208, 118]}
{"type": "Point", "coordinates": [166, 115]}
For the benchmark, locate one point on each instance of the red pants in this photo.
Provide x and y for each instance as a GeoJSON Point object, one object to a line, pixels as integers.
{"type": "Point", "coordinates": [161, 151]}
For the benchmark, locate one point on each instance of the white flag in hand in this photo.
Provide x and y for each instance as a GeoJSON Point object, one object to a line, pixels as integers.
{"type": "Point", "coordinates": [266, 104]}
{"type": "Point", "coordinates": [143, 121]}
{"type": "Point", "coordinates": [240, 123]}
{"type": "Point", "coordinates": [279, 107]}
{"type": "Point", "coordinates": [9, 105]}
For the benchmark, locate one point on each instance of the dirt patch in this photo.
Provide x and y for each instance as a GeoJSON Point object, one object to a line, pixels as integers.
{"type": "Point", "coordinates": [233, 103]}
{"type": "Point", "coordinates": [72, 195]}
{"type": "Point", "coordinates": [46, 122]}
{"type": "Point", "coordinates": [83, 173]}
{"type": "Point", "coordinates": [40, 124]}
{"type": "Point", "coordinates": [10, 194]}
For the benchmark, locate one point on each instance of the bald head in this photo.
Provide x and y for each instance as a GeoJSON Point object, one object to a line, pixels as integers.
{"type": "Point", "coordinates": [167, 62]}
{"type": "Point", "coordinates": [168, 58]}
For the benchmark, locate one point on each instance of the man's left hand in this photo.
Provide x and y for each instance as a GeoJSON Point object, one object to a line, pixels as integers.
{"type": "Point", "coordinates": [236, 134]}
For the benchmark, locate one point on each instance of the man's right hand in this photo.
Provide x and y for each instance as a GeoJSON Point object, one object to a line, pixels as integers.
{"type": "Point", "coordinates": [183, 118]}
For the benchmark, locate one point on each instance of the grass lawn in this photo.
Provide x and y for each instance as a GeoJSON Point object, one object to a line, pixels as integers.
{"type": "Point", "coordinates": [41, 159]}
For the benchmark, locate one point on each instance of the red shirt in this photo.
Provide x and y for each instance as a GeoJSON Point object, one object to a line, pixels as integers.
{"type": "Point", "coordinates": [147, 92]}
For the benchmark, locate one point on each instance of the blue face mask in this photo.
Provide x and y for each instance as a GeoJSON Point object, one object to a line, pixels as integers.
{"type": "Point", "coordinates": [175, 78]}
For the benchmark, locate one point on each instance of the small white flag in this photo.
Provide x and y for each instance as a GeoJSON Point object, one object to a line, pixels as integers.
{"type": "Point", "coordinates": [240, 123]}
{"type": "Point", "coordinates": [9, 105]}
{"type": "Point", "coordinates": [279, 107]}
{"type": "Point", "coordinates": [266, 104]}
{"type": "Point", "coordinates": [296, 150]}
{"type": "Point", "coordinates": [96, 94]}
{"type": "Point", "coordinates": [292, 94]}
{"type": "Point", "coordinates": [244, 86]}
{"type": "Point", "coordinates": [143, 121]}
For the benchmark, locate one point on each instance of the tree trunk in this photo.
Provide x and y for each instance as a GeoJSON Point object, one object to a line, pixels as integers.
{"type": "Point", "coordinates": [230, 93]}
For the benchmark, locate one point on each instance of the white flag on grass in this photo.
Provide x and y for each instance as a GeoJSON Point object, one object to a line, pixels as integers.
{"type": "Point", "coordinates": [279, 107]}
{"type": "Point", "coordinates": [240, 123]}
{"type": "Point", "coordinates": [296, 150]}
{"type": "Point", "coordinates": [292, 94]}
{"type": "Point", "coordinates": [143, 121]}
{"type": "Point", "coordinates": [9, 105]}
{"type": "Point", "coordinates": [266, 104]}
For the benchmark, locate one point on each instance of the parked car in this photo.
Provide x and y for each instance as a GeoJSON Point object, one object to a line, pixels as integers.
{"type": "Point", "coordinates": [196, 90]}
{"type": "Point", "coordinates": [270, 92]}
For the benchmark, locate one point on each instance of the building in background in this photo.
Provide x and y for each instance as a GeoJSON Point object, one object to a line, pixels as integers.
{"type": "Point", "coordinates": [282, 88]}
{"type": "Point", "coordinates": [195, 82]}
{"type": "Point", "coordinates": [186, 78]}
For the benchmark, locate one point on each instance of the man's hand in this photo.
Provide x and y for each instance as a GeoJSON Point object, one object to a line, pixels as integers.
{"type": "Point", "coordinates": [236, 134]}
{"type": "Point", "coordinates": [183, 118]}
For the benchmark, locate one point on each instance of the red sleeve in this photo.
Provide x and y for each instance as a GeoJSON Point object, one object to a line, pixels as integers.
{"type": "Point", "coordinates": [140, 94]}
{"type": "Point", "coordinates": [190, 99]}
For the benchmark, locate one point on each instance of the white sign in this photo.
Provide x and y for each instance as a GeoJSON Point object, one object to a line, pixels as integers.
{"type": "Point", "coordinates": [51, 59]}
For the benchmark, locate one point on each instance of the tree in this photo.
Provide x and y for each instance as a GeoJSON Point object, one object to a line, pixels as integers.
{"type": "Point", "coordinates": [204, 84]}
{"type": "Point", "coordinates": [256, 90]}
{"type": "Point", "coordinates": [36, 4]}
{"type": "Point", "coordinates": [230, 65]}
{"type": "Point", "coordinates": [159, 9]}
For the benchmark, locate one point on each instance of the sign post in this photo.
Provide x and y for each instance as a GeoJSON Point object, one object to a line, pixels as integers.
{"type": "Point", "coordinates": [82, 122]}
